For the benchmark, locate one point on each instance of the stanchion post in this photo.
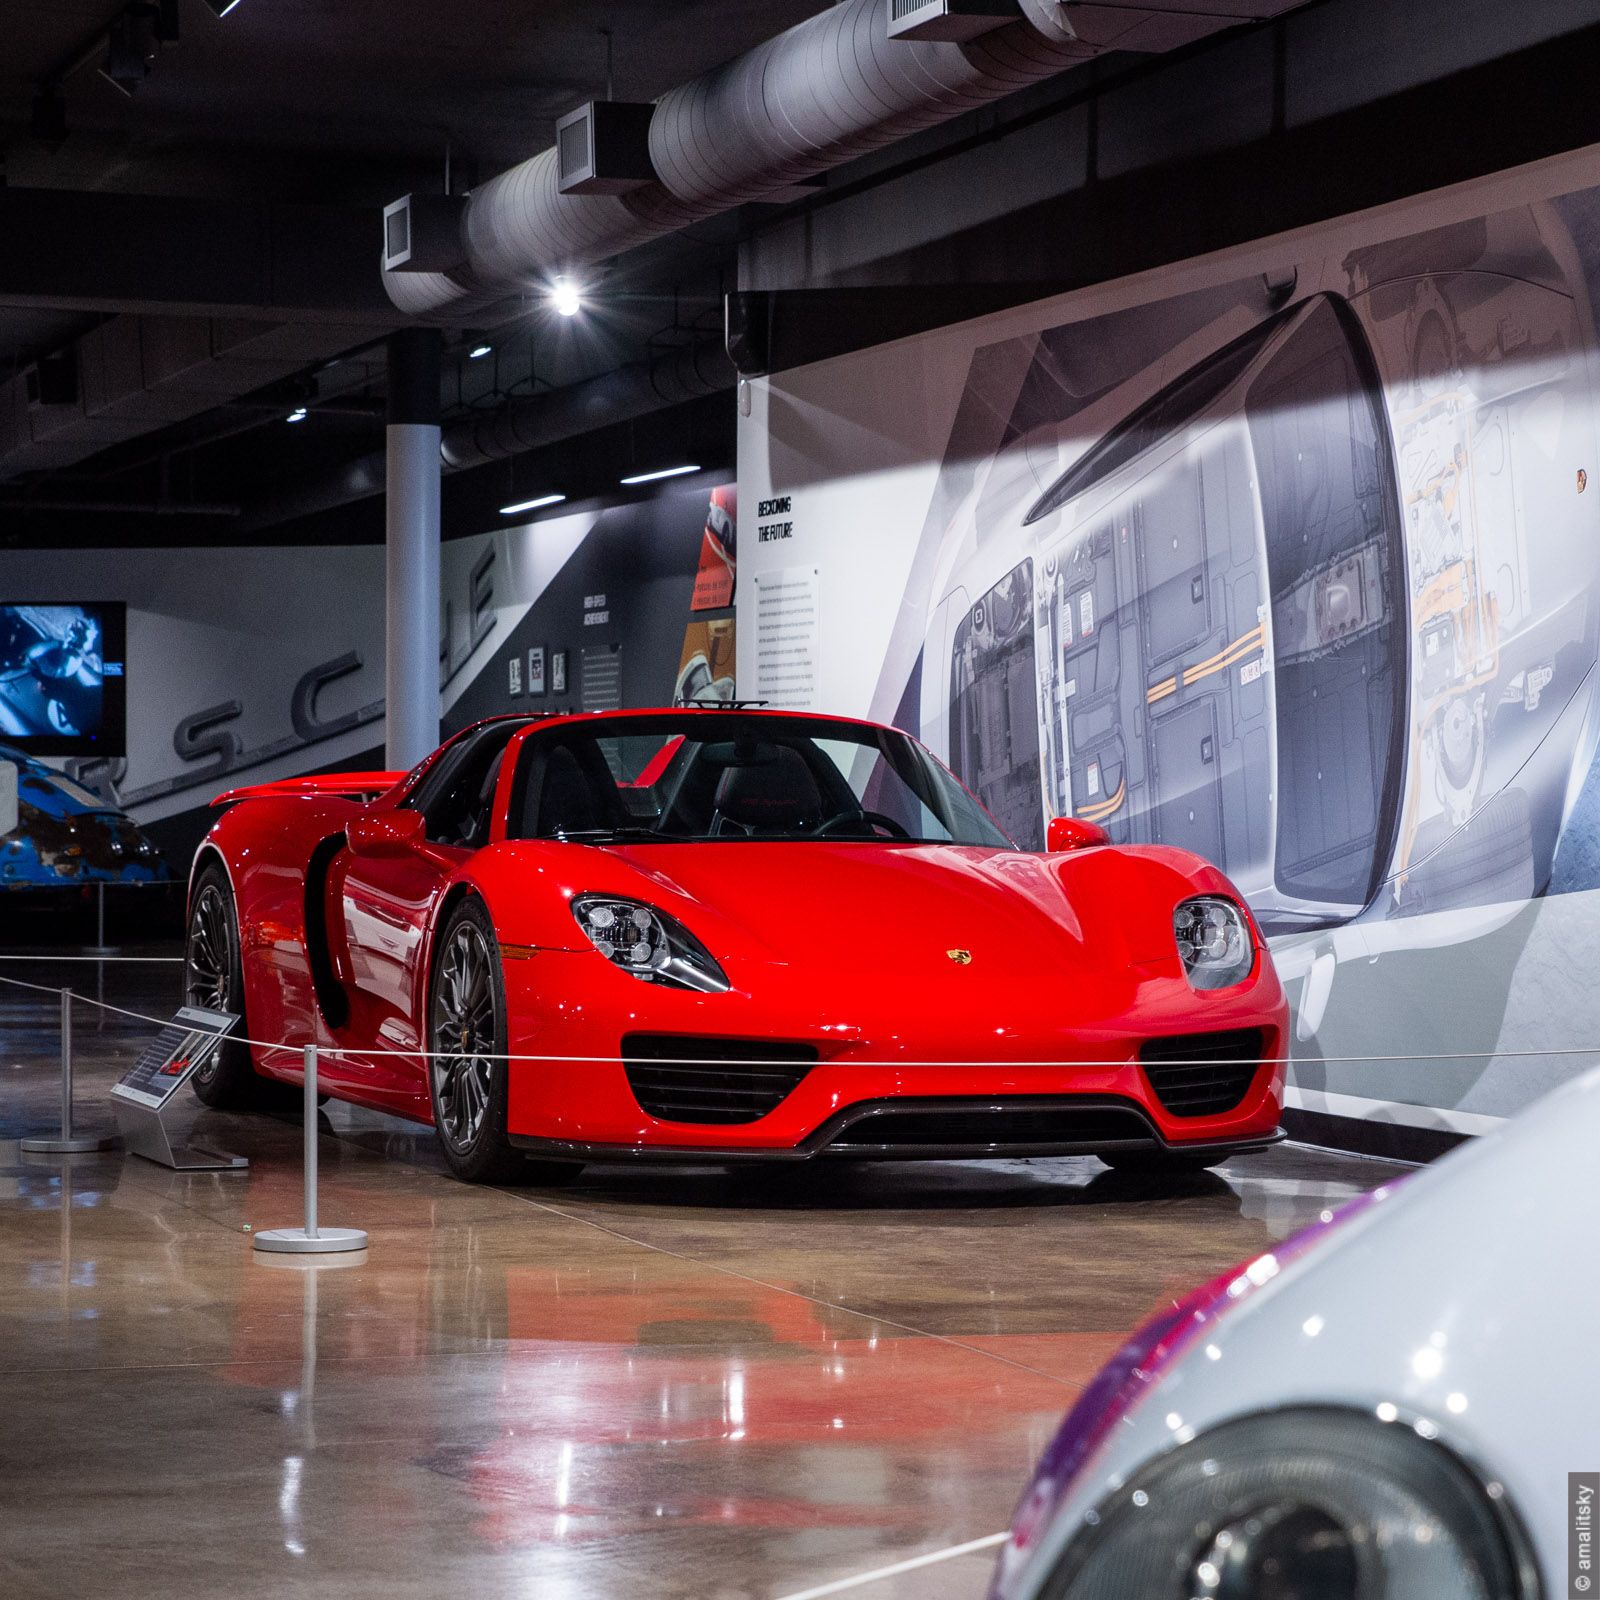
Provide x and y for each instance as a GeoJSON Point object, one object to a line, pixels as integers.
{"type": "Point", "coordinates": [311, 1239]}
{"type": "Point", "coordinates": [101, 948]}
{"type": "Point", "coordinates": [66, 1066]}
{"type": "Point", "coordinates": [310, 1159]}
{"type": "Point", "coordinates": [67, 1145]}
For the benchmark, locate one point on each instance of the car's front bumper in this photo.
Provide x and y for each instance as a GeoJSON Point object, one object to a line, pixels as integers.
{"type": "Point", "coordinates": [1022, 1083]}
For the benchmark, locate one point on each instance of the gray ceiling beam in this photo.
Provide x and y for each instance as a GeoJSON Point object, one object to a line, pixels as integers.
{"type": "Point", "coordinates": [78, 251]}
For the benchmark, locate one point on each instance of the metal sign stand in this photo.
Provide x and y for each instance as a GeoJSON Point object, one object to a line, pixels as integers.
{"type": "Point", "coordinates": [145, 1093]}
{"type": "Point", "coordinates": [311, 1240]}
{"type": "Point", "coordinates": [68, 1144]}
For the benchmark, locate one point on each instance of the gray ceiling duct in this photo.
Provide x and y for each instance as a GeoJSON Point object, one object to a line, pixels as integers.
{"type": "Point", "coordinates": [829, 90]}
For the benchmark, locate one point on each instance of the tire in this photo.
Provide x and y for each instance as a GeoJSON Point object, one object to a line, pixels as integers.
{"type": "Point", "coordinates": [1158, 1163]}
{"type": "Point", "coordinates": [213, 977]}
{"type": "Point", "coordinates": [467, 1086]}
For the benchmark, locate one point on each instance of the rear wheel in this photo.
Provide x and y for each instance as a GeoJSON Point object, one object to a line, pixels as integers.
{"type": "Point", "coordinates": [1157, 1162]}
{"type": "Point", "coordinates": [468, 1078]}
{"type": "Point", "coordinates": [214, 980]}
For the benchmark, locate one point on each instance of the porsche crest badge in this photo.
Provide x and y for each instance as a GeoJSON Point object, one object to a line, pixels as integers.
{"type": "Point", "coordinates": [962, 958]}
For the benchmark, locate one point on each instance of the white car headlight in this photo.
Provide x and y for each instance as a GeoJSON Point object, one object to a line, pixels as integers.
{"type": "Point", "coordinates": [1214, 941]}
{"type": "Point", "coordinates": [647, 943]}
{"type": "Point", "coordinates": [1313, 1503]}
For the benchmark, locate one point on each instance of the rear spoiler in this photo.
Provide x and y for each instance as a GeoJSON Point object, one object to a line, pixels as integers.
{"type": "Point", "coordinates": [361, 786]}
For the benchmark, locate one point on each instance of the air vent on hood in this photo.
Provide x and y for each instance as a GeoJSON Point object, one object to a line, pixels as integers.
{"type": "Point", "coordinates": [948, 20]}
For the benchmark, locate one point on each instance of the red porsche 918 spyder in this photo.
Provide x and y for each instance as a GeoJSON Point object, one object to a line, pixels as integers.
{"type": "Point", "coordinates": [716, 936]}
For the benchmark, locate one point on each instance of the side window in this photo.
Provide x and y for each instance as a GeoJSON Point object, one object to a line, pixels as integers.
{"type": "Point", "coordinates": [457, 798]}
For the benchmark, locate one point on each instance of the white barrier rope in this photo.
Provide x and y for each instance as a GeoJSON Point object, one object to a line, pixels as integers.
{"type": "Point", "coordinates": [419, 1054]}
{"type": "Point", "coordinates": [101, 961]}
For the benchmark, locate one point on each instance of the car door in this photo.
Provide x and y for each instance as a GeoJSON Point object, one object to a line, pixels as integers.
{"type": "Point", "coordinates": [384, 903]}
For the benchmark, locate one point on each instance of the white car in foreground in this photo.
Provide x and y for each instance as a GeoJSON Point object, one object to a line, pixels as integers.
{"type": "Point", "coordinates": [1387, 1407]}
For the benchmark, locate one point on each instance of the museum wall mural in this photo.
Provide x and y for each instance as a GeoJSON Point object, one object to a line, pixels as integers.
{"type": "Point", "coordinates": [1299, 570]}
{"type": "Point", "coordinates": [245, 665]}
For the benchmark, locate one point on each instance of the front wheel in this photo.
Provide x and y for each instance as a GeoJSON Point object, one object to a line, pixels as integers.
{"type": "Point", "coordinates": [1158, 1163]}
{"type": "Point", "coordinates": [214, 979]}
{"type": "Point", "coordinates": [468, 1077]}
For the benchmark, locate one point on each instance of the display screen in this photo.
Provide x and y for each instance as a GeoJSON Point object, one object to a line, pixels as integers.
{"type": "Point", "coordinates": [63, 686]}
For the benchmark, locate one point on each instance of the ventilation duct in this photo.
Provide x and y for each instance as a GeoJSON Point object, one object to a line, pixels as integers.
{"type": "Point", "coordinates": [831, 89]}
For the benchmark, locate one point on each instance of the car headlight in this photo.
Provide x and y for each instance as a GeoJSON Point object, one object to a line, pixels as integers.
{"type": "Point", "coordinates": [1214, 941]}
{"type": "Point", "coordinates": [1300, 1505]}
{"type": "Point", "coordinates": [647, 943]}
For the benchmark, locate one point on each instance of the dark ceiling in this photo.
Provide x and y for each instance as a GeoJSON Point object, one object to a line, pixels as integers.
{"type": "Point", "coordinates": [328, 99]}
{"type": "Point", "coordinates": [343, 104]}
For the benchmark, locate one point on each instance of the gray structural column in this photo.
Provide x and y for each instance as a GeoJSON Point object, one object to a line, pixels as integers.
{"type": "Point", "coordinates": [412, 666]}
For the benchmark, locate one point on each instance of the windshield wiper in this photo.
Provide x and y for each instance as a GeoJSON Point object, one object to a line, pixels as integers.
{"type": "Point", "coordinates": [623, 835]}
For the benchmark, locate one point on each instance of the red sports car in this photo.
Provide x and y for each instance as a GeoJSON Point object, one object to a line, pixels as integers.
{"type": "Point", "coordinates": [719, 935]}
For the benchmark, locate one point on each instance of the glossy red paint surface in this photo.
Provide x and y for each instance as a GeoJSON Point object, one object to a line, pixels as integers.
{"type": "Point", "coordinates": [854, 948]}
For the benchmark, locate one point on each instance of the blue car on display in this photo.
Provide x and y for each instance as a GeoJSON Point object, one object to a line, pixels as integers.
{"type": "Point", "coordinates": [54, 833]}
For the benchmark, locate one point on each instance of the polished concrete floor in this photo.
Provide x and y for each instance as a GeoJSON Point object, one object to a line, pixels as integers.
{"type": "Point", "coordinates": [692, 1384]}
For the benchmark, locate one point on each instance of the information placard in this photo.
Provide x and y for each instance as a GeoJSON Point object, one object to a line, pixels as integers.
{"type": "Point", "coordinates": [182, 1047]}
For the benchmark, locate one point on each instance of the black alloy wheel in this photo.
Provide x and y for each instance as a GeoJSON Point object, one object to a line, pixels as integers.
{"type": "Point", "coordinates": [468, 1075]}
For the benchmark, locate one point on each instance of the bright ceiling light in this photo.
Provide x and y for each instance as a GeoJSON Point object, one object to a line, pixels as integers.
{"type": "Point", "coordinates": [297, 415]}
{"type": "Point", "coordinates": [479, 351]}
{"type": "Point", "coordinates": [566, 298]}
{"type": "Point", "coordinates": [532, 505]}
{"type": "Point", "coordinates": [222, 7]}
{"type": "Point", "coordinates": [664, 472]}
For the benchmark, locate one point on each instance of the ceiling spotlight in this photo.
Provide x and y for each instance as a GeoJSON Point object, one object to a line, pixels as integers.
{"type": "Point", "coordinates": [479, 351]}
{"type": "Point", "coordinates": [222, 7]}
{"type": "Point", "coordinates": [566, 298]}
{"type": "Point", "coordinates": [532, 505]}
{"type": "Point", "coordinates": [664, 472]}
{"type": "Point", "coordinates": [297, 415]}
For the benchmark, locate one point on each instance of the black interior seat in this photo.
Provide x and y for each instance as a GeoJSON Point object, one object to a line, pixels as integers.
{"type": "Point", "coordinates": [475, 834]}
{"type": "Point", "coordinates": [570, 790]}
{"type": "Point", "coordinates": [777, 794]}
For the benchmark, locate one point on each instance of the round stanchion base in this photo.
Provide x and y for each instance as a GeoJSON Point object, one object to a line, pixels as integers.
{"type": "Point", "coordinates": [297, 1242]}
{"type": "Point", "coordinates": [88, 1145]}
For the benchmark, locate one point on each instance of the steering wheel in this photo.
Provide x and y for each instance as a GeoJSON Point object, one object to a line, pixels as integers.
{"type": "Point", "coordinates": [875, 819]}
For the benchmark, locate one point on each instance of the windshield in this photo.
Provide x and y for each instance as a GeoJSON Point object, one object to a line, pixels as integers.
{"type": "Point", "coordinates": [726, 778]}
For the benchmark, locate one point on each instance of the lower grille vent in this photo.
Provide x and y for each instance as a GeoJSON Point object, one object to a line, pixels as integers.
{"type": "Point", "coordinates": [999, 1126]}
{"type": "Point", "coordinates": [1202, 1074]}
{"type": "Point", "coordinates": [721, 1081]}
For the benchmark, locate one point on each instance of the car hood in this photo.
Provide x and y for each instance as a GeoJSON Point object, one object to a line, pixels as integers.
{"type": "Point", "coordinates": [891, 907]}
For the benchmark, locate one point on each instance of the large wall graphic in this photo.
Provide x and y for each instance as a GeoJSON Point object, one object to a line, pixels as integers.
{"type": "Point", "coordinates": [1299, 570]}
{"type": "Point", "coordinates": [248, 665]}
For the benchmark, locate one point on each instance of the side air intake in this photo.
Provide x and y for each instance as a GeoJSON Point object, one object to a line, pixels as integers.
{"type": "Point", "coordinates": [1202, 1074]}
{"type": "Point", "coordinates": [712, 1081]}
